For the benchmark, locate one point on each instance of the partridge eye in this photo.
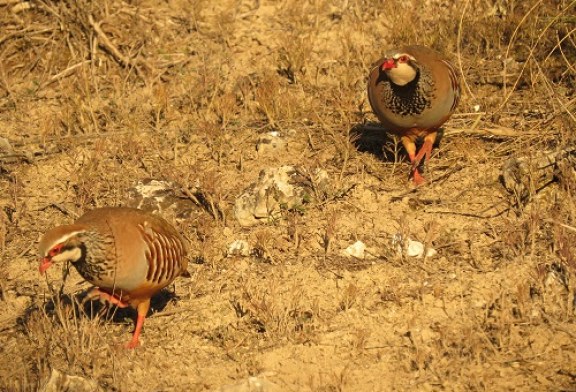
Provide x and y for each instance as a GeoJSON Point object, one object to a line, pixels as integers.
{"type": "Point", "coordinates": [403, 59]}
{"type": "Point", "coordinates": [55, 250]}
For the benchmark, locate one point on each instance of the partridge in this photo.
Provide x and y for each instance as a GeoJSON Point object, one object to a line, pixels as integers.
{"type": "Point", "coordinates": [129, 255]}
{"type": "Point", "coordinates": [413, 90]}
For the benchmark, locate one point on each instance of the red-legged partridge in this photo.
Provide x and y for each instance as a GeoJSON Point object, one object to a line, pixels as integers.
{"type": "Point", "coordinates": [413, 90]}
{"type": "Point", "coordinates": [127, 254]}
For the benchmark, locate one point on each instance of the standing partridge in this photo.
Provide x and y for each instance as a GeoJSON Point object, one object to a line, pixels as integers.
{"type": "Point", "coordinates": [413, 90]}
{"type": "Point", "coordinates": [127, 254]}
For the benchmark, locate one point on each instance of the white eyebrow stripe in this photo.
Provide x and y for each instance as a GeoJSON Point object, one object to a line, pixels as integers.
{"type": "Point", "coordinates": [398, 55]}
{"type": "Point", "coordinates": [63, 239]}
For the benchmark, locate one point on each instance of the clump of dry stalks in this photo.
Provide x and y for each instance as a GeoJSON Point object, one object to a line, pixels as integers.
{"type": "Point", "coordinates": [118, 91]}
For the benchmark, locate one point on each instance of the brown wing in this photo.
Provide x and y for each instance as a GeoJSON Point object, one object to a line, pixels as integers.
{"type": "Point", "coordinates": [165, 253]}
{"type": "Point", "coordinates": [148, 250]}
{"type": "Point", "coordinates": [454, 82]}
{"type": "Point", "coordinates": [432, 57]}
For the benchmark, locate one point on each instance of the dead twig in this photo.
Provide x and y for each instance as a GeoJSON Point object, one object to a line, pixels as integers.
{"type": "Point", "coordinates": [113, 50]}
{"type": "Point", "coordinates": [501, 132]}
{"type": "Point", "coordinates": [60, 208]}
{"type": "Point", "coordinates": [571, 228]}
{"type": "Point", "coordinates": [67, 72]}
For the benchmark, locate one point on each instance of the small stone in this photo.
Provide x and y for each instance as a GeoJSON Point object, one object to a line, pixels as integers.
{"type": "Point", "coordinates": [412, 248]}
{"type": "Point", "coordinates": [159, 196]}
{"type": "Point", "coordinates": [276, 189]}
{"type": "Point", "coordinates": [238, 248]}
{"type": "Point", "coordinates": [356, 250]}
{"type": "Point", "coordinates": [416, 249]}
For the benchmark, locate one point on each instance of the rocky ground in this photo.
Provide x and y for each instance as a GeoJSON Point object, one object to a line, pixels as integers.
{"type": "Point", "coordinates": [316, 265]}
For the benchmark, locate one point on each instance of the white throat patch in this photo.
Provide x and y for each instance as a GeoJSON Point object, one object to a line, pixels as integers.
{"type": "Point", "coordinates": [72, 255]}
{"type": "Point", "coordinates": [402, 74]}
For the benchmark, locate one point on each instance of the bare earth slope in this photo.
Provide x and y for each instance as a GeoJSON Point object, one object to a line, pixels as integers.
{"type": "Point", "coordinates": [98, 99]}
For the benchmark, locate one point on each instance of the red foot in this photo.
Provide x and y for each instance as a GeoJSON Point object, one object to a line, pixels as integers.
{"type": "Point", "coordinates": [132, 344]}
{"type": "Point", "coordinates": [135, 337]}
{"type": "Point", "coordinates": [415, 174]}
{"type": "Point", "coordinates": [417, 177]}
{"type": "Point", "coordinates": [102, 295]}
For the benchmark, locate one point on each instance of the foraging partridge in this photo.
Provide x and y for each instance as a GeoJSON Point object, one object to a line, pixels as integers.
{"type": "Point", "coordinates": [127, 254]}
{"type": "Point", "coordinates": [413, 90]}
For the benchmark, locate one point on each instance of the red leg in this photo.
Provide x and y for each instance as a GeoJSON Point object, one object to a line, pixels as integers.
{"type": "Point", "coordinates": [410, 147]}
{"type": "Point", "coordinates": [426, 150]}
{"type": "Point", "coordinates": [143, 308]}
{"type": "Point", "coordinates": [417, 177]}
{"type": "Point", "coordinates": [423, 155]}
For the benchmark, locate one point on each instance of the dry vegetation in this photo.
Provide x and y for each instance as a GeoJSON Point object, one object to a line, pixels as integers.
{"type": "Point", "coordinates": [96, 96]}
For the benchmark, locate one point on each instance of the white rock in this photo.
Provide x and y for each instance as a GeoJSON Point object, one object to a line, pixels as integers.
{"type": "Point", "coordinates": [153, 188]}
{"type": "Point", "coordinates": [238, 248]}
{"type": "Point", "coordinates": [412, 248]}
{"type": "Point", "coordinates": [276, 189]}
{"type": "Point", "coordinates": [416, 249]}
{"type": "Point", "coordinates": [159, 196]}
{"type": "Point", "coordinates": [356, 250]}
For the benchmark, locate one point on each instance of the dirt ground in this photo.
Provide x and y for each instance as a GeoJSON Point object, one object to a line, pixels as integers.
{"type": "Point", "coordinates": [99, 98]}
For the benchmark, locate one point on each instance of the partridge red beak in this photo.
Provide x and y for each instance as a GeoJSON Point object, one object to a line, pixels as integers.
{"type": "Point", "coordinates": [45, 263]}
{"type": "Point", "coordinates": [388, 64]}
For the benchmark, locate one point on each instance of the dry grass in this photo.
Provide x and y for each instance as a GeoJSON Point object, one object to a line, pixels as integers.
{"type": "Point", "coordinates": [96, 96]}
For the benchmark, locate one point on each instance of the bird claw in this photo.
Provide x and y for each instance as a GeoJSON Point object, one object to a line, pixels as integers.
{"type": "Point", "coordinates": [417, 177]}
{"type": "Point", "coordinates": [104, 297]}
{"type": "Point", "coordinates": [131, 344]}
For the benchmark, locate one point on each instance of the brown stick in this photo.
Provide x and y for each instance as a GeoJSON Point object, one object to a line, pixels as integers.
{"type": "Point", "coordinates": [112, 49]}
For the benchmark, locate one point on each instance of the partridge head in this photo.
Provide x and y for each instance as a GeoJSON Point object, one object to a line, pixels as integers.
{"type": "Point", "coordinates": [413, 90]}
{"type": "Point", "coordinates": [129, 255]}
